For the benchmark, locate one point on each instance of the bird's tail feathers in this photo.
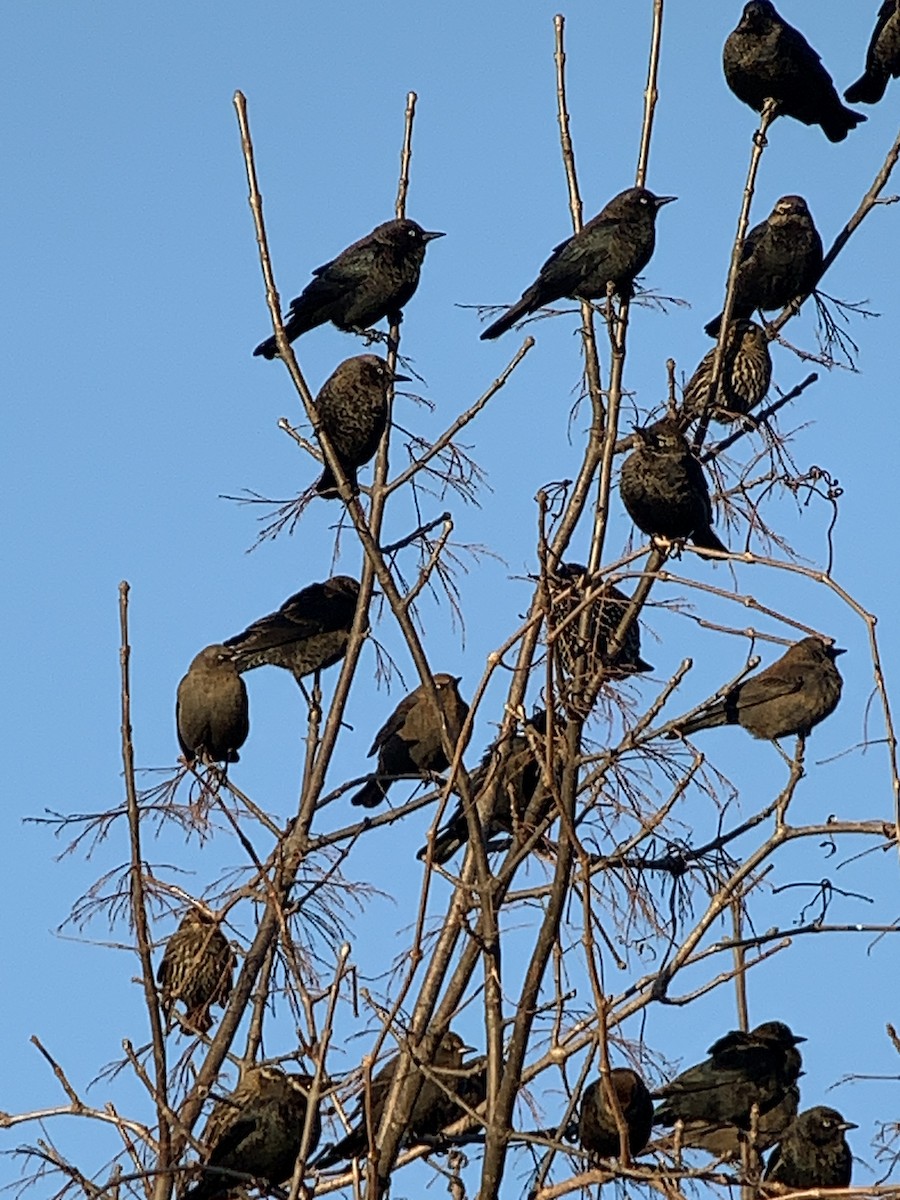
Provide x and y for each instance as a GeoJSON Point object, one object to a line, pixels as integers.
{"type": "Point", "coordinates": [526, 304]}
{"type": "Point", "coordinates": [868, 89]}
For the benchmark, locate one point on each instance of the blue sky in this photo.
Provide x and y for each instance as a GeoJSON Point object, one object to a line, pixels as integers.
{"type": "Point", "coordinates": [134, 300]}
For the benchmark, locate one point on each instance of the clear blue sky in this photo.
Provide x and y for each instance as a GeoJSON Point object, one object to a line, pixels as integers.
{"type": "Point", "coordinates": [132, 304]}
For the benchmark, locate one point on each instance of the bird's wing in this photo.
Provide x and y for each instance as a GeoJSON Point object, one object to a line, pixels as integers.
{"type": "Point", "coordinates": [313, 610]}
{"type": "Point", "coordinates": [266, 633]}
{"type": "Point", "coordinates": [393, 724]}
{"type": "Point", "coordinates": [760, 689]}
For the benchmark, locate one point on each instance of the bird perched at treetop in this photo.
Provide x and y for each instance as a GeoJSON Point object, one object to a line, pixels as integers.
{"type": "Point", "coordinates": [211, 710]}
{"type": "Point", "coordinates": [813, 1152]}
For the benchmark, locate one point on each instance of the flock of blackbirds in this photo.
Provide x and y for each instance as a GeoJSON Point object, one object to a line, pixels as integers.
{"type": "Point", "coordinates": [743, 1098]}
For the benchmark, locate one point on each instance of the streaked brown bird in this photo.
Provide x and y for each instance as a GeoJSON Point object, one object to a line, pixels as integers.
{"type": "Point", "coordinates": [882, 57]}
{"type": "Point", "coordinates": [374, 278]}
{"type": "Point", "coordinates": [434, 1108]}
{"type": "Point", "coordinates": [813, 1152]}
{"type": "Point", "coordinates": [744, 1069]}
{"type": "Point", "coordinates": [766, 58]}
{"type": "Point", "coordinates": [744, 380]}
{"type": "Point", "coordinates": [598, 1132]}
{"type": "Point", "coordinates": [308, 633]}
{"type": "Point", "coordinates": [511, 797]}
{"type": "Point", "coordinates": [197, 968]}
{"type": "Point", "coordinates": [211, 710]}
{"type": "Point", "coordinates": [353, 405]}
{"type": "Point", "coordinates": [787, 698]}
{"type": "Point", "coordinates": [781, 259]}
{"type": "Point", "coordinates": [613, 247]}
{"type": "Point", "coordinates": [664, 489]}
{"type": "Point", "coordinates": [410, 742]}
{"type": "Point", "coordinates": [255, 1133]}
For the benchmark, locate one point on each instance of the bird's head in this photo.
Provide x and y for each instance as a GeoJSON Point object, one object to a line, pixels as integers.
{"type": "Point", "coordinates": [756, 16]}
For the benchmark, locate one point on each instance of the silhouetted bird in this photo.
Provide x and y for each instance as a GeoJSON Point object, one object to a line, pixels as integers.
{"type": "Point", "coordinates": [374, 278]}
{"type": "Point", "coordinates": [211, 710]}
{"type": "Point", "coordinates": [256, 1131]}
{"type": "Point", "coordinates": [197, 968]}
{"type": "Point", "coordinates": [613, 247]}
{"type": "Point", "coordinates": [516, 788]}
{"type": "Point", "coordinates": [882, 57]}
{"type": "Point", "coordinates": [744, 379]}
{"type": "Point", "coordinates": [353, 405]}
{"type": "Point", "coordinates": [781, 259]}
{"type": "Point", "coordinates": [409, 742]}
{"type": "Point", "coordinates": [597, 1129]}
{"type": "Point", "coordinates": [432, 1111]}
{"type": "Point", "coordinates": [663, 487]}
{"type": "Point", "coordinates": [765, 58]}
{"type": "Point", "coordinates": [308, 633]}
{"type": "Point", "coordinates": [790, 696]}
{"type": "Point", "coordinates": [813, 1152]}
{"type": "Point", "coordinates": [569, 585]}
{"type": "Point", "coordinates": [759, 1067]}
{"type": "Point", "coordinates": [726, 1141]}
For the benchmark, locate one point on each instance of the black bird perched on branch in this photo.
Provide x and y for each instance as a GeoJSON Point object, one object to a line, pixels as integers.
{"type": "Point", "coordinates": [882, 57]}
{"type": "Point", "coordinates": [374, 278]}
{"type": "Point", "coordinates": [353, 405]}
{"type": "Point", "coordinates": [434, 1108]}
{"type": "Point", "coordinates": [663, 487]}
{"type": "Point", "coordinates": [598, 1132]}
{"type": "Point", "coordinates": [790, 696]}
{"type": "Point", "coordinates": [744, 1069]}
{"type": "Point", "coordinates": [256, 1131]}
{"type": "Point", "coordinates": [613, 247]}
{"type": "Point", "coordinates": [308, 633]}
{"type": "Point", "coordinates": [517, 789]}
{"type": "Point", "coordinates": [211, 711]}
{"type": "Point", "coordinates": [744, 380]}
{"type": "Point", "coordinates": [726, 1141]}
{"type": "Point", "coordinates": [813, 1152]}
{"type": "Point", "coordinates": [765, 58]}
{"type": "Point", "coordinates": [409, 742]}
{"type": "Point", "coordinates": [197, 968]}
{"type": "Point", "coordinates": [781, 259]}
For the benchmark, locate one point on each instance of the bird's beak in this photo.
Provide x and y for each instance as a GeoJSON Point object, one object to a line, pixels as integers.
{"type": "Point", "coordinates": [402, 379]}
{"type": "Point", "coordinates": [430, 235]}
{"type": "Point", "coordinates": [798, 1040]}
{"type": "Point", "coordinates": [661, 200]}
{"type": "Point", "coordinates": [835, 651]}
{"type": "Point", "coordinates": [848, 1125]}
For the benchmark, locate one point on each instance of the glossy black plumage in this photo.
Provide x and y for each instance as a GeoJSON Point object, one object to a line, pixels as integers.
{"type": "Point", "coordinates": [813, 1152]}
{"type": "Point", "coordinates": [613, 247]}
{"type": "Point", "coordinates": [882, 57]}
{"type": "Point", "coordinates": [372, 279]}
{"type": "Point", "coordinates": [766, 58]}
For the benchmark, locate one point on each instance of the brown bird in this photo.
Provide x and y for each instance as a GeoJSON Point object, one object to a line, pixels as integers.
{"type": "Point", "coordinates": [410, 743]}
{"type": "Point", "coordinates": [765, 58]}
{"type": "Point", "coordinates": [434, 1108]}
{"type": "Point", "coordinates": [790, 696]}
{"type": "Point", "coordinates": [376, 277]}
{"type": "Point", "coordinates": [211, 711]}
{"type": "Point", "coordinates": [197, 968]}
{"type": "Point", "coordinates": [517, 791]}
{"type": "Point", "coordinates": [308, 633]}
{"type": "Point", "coordinates": [744, 380]}
{"type": "Point", "coordinates": [353, 405]}
{"type": "Point", "coordinates": [255, 1133]}
{"type": "Point", "coordinates": [598, 1132]}
{"type": "Point", "coordinates": [882, 57]}
{"type": "Point", "coordinates": [813, 1152]}
{"type": "Point", "coordinates": [663, 487]}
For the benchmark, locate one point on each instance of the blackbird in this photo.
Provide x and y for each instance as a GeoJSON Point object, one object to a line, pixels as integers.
{"type": "Point", "coordinates": [353, 405]}
{"type": "Point", "coordinates": [211, 711]}
{"type": "Point", "coordinates": [308, 633]}
{"type": "Point", "coordinates": [759, 1067]}
{"type": "Point", "coordinates": [726, 1141]}
{"type": "Point", "coordinates": [613, 247]}
{"type": "Point", "coordinates": [256, 1131]}
{"type": "Point", "coordinates": [882, 57]}
{"type": "Point", "coordinates": [197, 968]}
{"type": "Point", "coordinates": [374, 278]}
{"type": "Point", "coordinates": [765, 58]}
{"type": "Point", "coordinates": [517, 788]}
{"type": "Point", "coordinates": [433, 1109]}
{"type": "Point", "coordinates": [744, 379]}
{"type": "Point", "coordinates": [788, 697]}
{"type": "Point", "coordinates": [409, 742]}
{"type": "Point", "coordinates": [663, 487]}
{"type": "Point", "coordinates": [597, 1129]}
{"type": "Point", "coordinates": [781, 260]}
{"type": "Point", "coordinates": [813, 1152]}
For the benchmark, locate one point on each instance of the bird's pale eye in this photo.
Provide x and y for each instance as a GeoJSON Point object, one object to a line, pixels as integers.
{"type": "Point", "coordinates": [644, 200]}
